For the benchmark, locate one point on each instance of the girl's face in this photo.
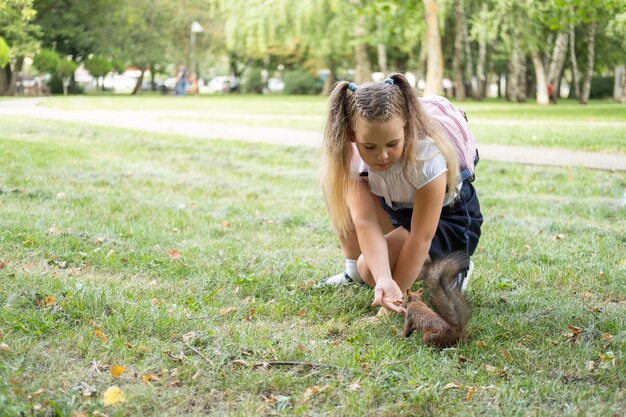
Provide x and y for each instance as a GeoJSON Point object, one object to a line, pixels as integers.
{"type": "Point", "coordinates": [380, 144]}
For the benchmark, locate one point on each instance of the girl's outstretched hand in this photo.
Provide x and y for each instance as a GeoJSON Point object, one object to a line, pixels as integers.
{"type": "Point", "coordinates": [387, 294]}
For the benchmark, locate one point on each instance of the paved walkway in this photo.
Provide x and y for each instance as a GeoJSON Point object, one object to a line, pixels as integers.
{"type": "Point", "coordinates": [172, 122]}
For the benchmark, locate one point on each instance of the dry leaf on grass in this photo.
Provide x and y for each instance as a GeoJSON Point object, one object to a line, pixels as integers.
{"type": "Point", "coordinates": [3, 263]}
{"type": "Point", "coordinates": [100, 335]}
{"type": "Point", "coordinates": [470, 393]}
{"type": "Point", "coordinates": [226, 310]}
{"type": "Point", "coordinates": [147, 378]}
{"type": "Point", "coordinates": [4, 347]}
{"type": "Point", "coordinates": [174, 254]}
{"type": "Point", "coordinates": [113, 395]}
{"type": "Point", "coordinates": [117, 370]}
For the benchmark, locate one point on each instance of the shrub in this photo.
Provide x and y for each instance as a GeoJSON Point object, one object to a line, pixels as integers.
{"type": "Point", "coordinates": [601, 87]}
{"type": "Point", "coordinates": [46, 61]}
{"type": "Point", "coordinates": [252, 81]}
{"type": "Point", "coordinates": [302, 82]}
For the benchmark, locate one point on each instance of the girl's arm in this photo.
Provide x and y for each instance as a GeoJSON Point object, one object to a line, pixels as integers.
{"type": "Point", "coordinates": [426, 214]}
{"type": "Point", "coordinates": [363, 209]}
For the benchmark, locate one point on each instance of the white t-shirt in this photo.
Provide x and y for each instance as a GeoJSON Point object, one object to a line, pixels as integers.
{"type": "Point", "coordinates": [396, 187]}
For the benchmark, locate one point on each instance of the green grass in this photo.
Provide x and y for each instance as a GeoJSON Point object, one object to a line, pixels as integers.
{"type": "Point", "coordinates": [90, 215]}
{"type": "Point", "coordinates": [599, 126]}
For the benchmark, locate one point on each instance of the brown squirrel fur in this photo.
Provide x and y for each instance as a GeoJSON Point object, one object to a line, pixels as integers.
{"type": "Point", "coordinates": [445, 324]}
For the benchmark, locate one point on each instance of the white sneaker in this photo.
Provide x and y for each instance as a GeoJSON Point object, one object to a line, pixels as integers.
{"type": "Point", "coordinates": [468, 274]}
{"type": "Point", "coordinates": [341, 278]}
{"type": "Point", "coordinates": [461, 280]}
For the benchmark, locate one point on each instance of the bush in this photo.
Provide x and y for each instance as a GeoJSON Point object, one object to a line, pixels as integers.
{"type": "Point", "coordinates": [302, 82]}
{"type": "Point", "coordinates": [601, 87]}
{"type": "Point", "coordinates": [252, 81]}
{"type": "Point", "coordinates": [46, 61]}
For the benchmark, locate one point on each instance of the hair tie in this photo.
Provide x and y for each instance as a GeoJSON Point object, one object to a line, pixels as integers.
{"type": "Point", "coordinates": [389, 80]}
{"type": "Point", "coordinates": [352, 87]}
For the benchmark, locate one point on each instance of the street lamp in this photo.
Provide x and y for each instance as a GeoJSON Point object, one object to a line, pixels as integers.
{"type": "Point", "coordinates": [195, 28]}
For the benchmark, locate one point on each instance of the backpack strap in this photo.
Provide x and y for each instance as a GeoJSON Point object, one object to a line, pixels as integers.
{"type": "Point", "coordinates": [466, 174]}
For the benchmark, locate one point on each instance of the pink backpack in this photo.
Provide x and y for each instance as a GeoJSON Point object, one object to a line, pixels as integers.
{"type": "Point", "coordinates": [454, 123]}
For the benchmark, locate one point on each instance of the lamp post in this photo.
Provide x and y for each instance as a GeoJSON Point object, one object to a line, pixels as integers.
{"type": "Point", "coordinates": [195, 28]}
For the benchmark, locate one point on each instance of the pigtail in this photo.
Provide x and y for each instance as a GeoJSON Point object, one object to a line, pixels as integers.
{"type": "Point", "coordinates": [419, 126]}
{"type": "Point", "coordinates": [336, 178]}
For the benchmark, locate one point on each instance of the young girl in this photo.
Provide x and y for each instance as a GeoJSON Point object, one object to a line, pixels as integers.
{"type": "Point", "coordinates": [392, 188]}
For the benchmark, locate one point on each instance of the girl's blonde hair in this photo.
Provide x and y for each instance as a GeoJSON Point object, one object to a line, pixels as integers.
{"type": "Point", "coordinates": [377, 102]}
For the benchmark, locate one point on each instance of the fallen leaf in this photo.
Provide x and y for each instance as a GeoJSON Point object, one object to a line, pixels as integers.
{"type": "Point", "coordinates": [355, 386]}
{"type": "Point", "coordinates": [302, 348]}
{"type": "Point", "coordinates": [147, 378]}
{"type": "Point", "coordinates": [100, 335]}
{"type": "Point", "coordinates": [481, 344]}
{"type": "Point", "coordinates": [590, 366]}
{"type": "Point", "coordinates": [300, 313]}
{"type": "Point", "coordinates": [190, 336]}
{"type": "Point", "coordinates": [39, 392]}
{"type": "Point", "coordinates": [470, 393]}
{"type": "Point", "coordinates": [60, 196]}
{"type": "Point", "coordinates": [506, 355]}
{"type": "Point", "coordinates": [113, 395]}
{"type": "Point", "coordinates": [490, 368]}
{"type": "Point", "coordinates": [240, 363]}
{"type": "Point", "coordinates": [453, 385]}
{"type": "Point", "coordinates": [174, 254]}
{"type": "Point", "coordinates": [50, 301]}
{"type": "Point", "coordinates": [226, 310]}
{"type": "Point", "coordinates": [4, 347]}
{"type": "Point", "coordinates": [100, 240]}
{"type": "Point", "coordinates": [99, 414]}
{"type": "Point", "coordinates": [576, 332]}
{"type": "Point", "coordinates": [117, 370]}
{"type": "Point", "coordinates": [3, 263]}
{"type": "Point", "coordinates": [226, 224]}
{"type": "Point", "coordinates": [558, 237]}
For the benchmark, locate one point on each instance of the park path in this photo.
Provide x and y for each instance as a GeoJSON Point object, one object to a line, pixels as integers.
{"type": "Point", "coordinates": [189, 123]}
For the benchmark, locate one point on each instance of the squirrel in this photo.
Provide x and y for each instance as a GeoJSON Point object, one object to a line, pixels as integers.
{"type": "Point", "coordinates": [445, 324]}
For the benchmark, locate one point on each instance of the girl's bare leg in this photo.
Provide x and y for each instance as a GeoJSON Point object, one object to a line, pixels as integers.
{"type": "Point", "coordinates": [395, 240]}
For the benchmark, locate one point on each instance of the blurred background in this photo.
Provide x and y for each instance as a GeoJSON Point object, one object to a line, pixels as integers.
{"type": "Point", "coordinates": [518, 50]}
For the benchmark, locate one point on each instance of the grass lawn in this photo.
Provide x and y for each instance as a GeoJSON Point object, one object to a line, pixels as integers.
{"type": "Point", "coordinates": [189, 263]}
{"type": "Point", "coordinates": [599, 126]}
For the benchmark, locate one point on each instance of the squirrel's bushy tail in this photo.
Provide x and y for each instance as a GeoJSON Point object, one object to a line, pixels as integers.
{"type": "Point", "coordinates": [446, 298]}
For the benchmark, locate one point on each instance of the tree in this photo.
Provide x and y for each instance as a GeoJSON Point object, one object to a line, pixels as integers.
{"type": "Point", "coordinates": [434, 71]}
{"type": "Point", "coordinates": [98, 66]}
{"type": "Point", "coordinates": [20, 34]}
{"type": "Point", "coordinates": [144, 35]}
{"type": "Point", "coordinates": [66, 69]}
{"type": "Point", "coordinates": [4, 52]}
{"type": "Point", "coordinates": [46, 61]}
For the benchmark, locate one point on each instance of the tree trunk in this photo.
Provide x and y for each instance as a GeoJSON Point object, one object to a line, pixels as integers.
{"type": "Point", "coordinates": [470, 84]}
{"type": "Point", "coordinates": [521, 81]}
{"type": "Point", "coordinates": [5, 76]}
{"type": "Point", "coordinates": [153, 86]}
{"type": "Point", "coordinates": [540, 76]}
{"type": "Point", "coordinates": [434, 72]}
{"type": "Point", "coordinates": [591, 49]}
{"type": "Point", "coordinates": [559, 53]}
{"type": "Point", "coordinates": [459, 85]}
{"type": "Point", "coordinates": [513, 73]}
{"type": "Point", "coordinates": [572, 50]}
{"type": "Point", "coordinates": [363, 69]}
{"type": "Point", "coordinates": [481, 77]}
{"type": "Point", "coordinates": [139, 83]}
{"type": "Point", "coordinates": [381, 49]}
